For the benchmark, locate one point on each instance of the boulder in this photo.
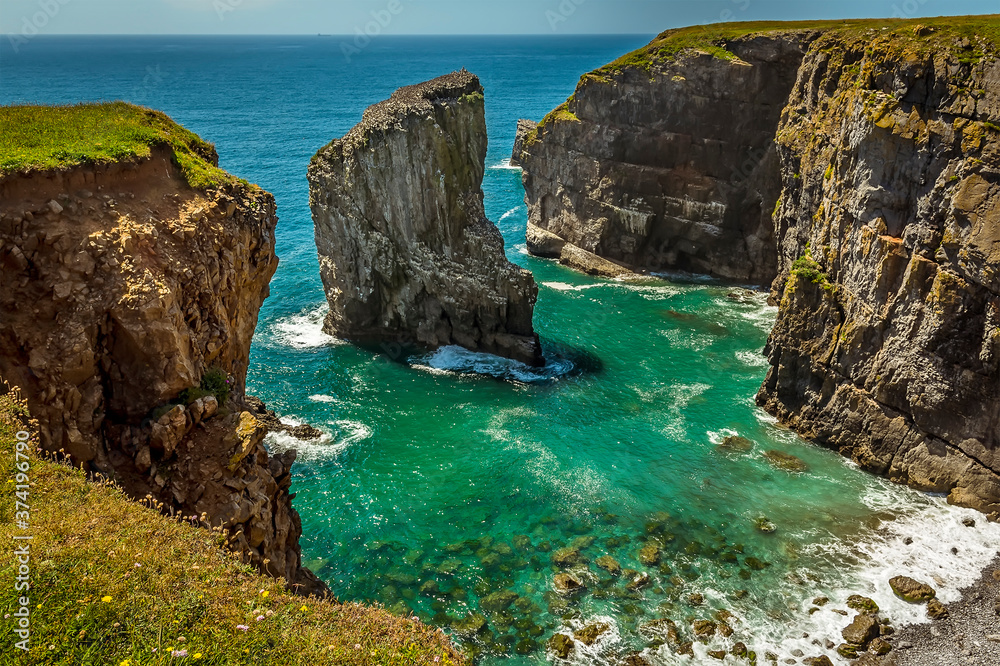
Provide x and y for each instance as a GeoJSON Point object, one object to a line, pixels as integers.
{"type": "Point", "coordinates": [862, 630]}
{"type": "Point", "coordinates": [589, 634]}
{"type": "Point", "coordinates": [911, 590]}
{"type": "Point", "coordinates": [561, 645]}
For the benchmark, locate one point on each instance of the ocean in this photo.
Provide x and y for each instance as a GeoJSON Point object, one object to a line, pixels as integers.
{"type": "Point", "coordinates": [447, 480]}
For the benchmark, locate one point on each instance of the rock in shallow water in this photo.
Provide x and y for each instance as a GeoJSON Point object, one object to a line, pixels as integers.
{"type": "Point", "coordinates": [406, 253]}
{"type": "Point", "coordinates": [911, 590]}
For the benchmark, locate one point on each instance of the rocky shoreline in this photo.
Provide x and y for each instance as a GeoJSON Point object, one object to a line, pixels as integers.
{"type": "Point", "coordinates": [969, 634]}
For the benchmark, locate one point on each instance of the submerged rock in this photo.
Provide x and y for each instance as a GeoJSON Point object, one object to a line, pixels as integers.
{"type": "Point", "coordinates": [609, 564]}
{"type": "Point", "coordinates": [406, 253]}
{"type": "Point", "coordinates": [566, 557]}
{"type": "Point", "coordinates": [736, 444]}
{"type": "Point", "coordinates": [911, 590]}
{"type": "Point", "coordinates": [786, 461]}
{"type": "Point", "coordinates": [590, 633]}
{"type": "Point", "coordinates": [561, 645]}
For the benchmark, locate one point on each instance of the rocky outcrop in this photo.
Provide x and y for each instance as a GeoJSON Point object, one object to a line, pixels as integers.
{"type": "Point", "coordinates": [887, 344]}
{"type": "Point", "coordinates": [672, 168]}
{"type": "Point", "coordinates": [525, 128]}
{"type": "Point", "coordinates": [875, 200]}
{"type": "Point", "coordinates": [122, 290]}
{"type": "Point", "coordinates": [406, 251]}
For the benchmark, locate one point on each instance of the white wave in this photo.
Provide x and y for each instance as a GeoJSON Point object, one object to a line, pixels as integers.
{"type": "Point", "coordinates": [522, 249]}
{"type": "Point", "coordinates": [717, 437]}
{"type": "Point", "coordinates": [563, 286]}
{"type": "Point", "coordinates": [763, 317]}
{"type": "Point", "coordinates": [326, 447]}
{"type": "Point", "coordinates": [917, 544]}
{"type": "Point", "coordinates": [455, 359]}
{"type": "Point", "coordinates": [506, 165]}
{"type": "Point", "coordinates": [323, 398]}
{"type": "Point", "coordinates": [509, 213]}
{"type": "Point", "coordinates": [304, 330]}
{"type": "Point", "coordinates": [754, 359]}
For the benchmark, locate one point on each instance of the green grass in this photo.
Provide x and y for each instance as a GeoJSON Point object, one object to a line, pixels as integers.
{"type": "Point", "coordinates": [37, 138]}
{"type": "Point", "coordinates": [115, 582]}
{"type": "Point", "coordinates": [982, 32]}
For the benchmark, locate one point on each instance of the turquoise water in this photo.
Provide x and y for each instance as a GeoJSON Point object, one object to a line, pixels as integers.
{"type": "Point", "coordinates": [446, 478]}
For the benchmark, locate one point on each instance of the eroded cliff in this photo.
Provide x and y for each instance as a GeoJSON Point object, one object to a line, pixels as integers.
{"type": "Point", "coordinates": [123, 290]}
{"type": "Point", "coordinates": [857, 162]}
{"type": "Point", "coordinates": [406, 251]}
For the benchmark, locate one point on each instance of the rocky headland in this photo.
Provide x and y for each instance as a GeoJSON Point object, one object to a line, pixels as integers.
{"type": "Point", "coordinates": [853, 166]}
{"type": "Point", "coordinates": [130, 293]}
{"type": "Point", "coordinates": [406, 252]}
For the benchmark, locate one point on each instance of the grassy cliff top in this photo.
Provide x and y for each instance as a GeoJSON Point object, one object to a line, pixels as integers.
{"type": "Point", "coordinates": [114, 582]}
{"type": "Point", "coordinates": [982, 33]}
{"type": "Point", "coordinates": [36, 138]}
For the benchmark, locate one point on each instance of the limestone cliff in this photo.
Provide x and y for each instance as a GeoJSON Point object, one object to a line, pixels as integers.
{"type": "Point", "coordinates": [525, 128]}
{"type": "Point", "coordinates": [406, 251]}
{"type": "Point", "coordinates": [667, 168]}
{"type": "Point", "coordinates": [122, 289]}
{"type": "Point", "coordinates": [874, 197]}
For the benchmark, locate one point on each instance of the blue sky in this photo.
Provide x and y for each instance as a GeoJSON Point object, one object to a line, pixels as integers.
{"type": "Point", "coordinates": [437, 16]}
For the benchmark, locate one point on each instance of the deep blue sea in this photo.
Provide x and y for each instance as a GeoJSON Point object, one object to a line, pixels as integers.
{"type": "Point", "coordinates": [452, 477]}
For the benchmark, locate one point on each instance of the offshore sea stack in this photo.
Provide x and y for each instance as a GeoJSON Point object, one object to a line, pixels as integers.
{"type": "Point", "coordinates": [122, 289]}
{"type": "Point", "coordinates": [406, 252]}
{"type": "Point", "coordinates": [856, 166]}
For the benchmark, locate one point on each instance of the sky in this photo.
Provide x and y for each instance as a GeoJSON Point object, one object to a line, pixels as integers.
{"type": "Point", "coordinates": [435, 17]}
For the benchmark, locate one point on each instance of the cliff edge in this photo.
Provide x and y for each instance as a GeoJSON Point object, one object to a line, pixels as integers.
{"type": "Point", "coordinates": [133, 270]}
{"type": "Point", "coordinates": [854, 164]}
{"type": "Point", "coordinates": [406, 251]}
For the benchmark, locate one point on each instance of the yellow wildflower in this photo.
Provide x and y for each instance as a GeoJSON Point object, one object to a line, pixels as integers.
{"type": "Point", "coordinates": [106, 600]}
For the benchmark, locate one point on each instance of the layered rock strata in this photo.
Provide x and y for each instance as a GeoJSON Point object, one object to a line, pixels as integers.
{"type": "Point", "coordinates": [122, 288]}
{"type": "Point", "coordinates": [669, 169]}
{"type": "Point", "coordinates": [406, 252]}
{"type": "Point", "coordinates": [525, 128]}
{"type": "Point", "coordinates": [875, 202]}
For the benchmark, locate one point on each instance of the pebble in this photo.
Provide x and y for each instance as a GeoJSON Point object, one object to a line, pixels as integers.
{"type": "Point", "coordinates": [993, 637]}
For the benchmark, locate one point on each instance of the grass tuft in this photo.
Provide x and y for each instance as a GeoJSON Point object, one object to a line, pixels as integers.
{"type": "Point", "coordinates": [36, 138]}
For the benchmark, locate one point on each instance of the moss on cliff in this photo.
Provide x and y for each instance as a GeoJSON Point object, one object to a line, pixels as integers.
{"type": "Point", "coordinates": [52, 137]}
{"type": "Point", "coordinates": [116, 582]}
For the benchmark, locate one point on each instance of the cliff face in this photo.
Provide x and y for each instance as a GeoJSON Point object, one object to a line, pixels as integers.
{"type": "Point", "coordinates": [887, 346]}
{"type": "Point", "coordinates": [406, 252]}
{"type": "Point", "coordinates": [667, 168]}
{"type": "Point", "coordinates": [880, 164]}
{"type": "Point", "coordinates": [122, 287]}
